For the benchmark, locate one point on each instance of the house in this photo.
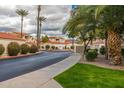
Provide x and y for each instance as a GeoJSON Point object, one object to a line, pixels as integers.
{"type": "Point", "coordinates": [29, 39]}
{"type": "Point", "coordinates": [7, 37]}
{"type": "Point", "coordinates": [59, 42]}
{"type": "Point", "coordinates": [97, 44]}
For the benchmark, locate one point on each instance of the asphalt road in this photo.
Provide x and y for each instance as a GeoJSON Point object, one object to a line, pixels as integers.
{"type": "Point", "coordinates": [10, 68]}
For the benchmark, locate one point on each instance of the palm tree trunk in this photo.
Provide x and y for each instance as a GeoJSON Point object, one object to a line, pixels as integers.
{"type": "Point", "coordinates": [114, 47]}
{"type": "Point", "coordinates": [38, 15]}
{"type": "Point", "coordinates": [21, 25]}
{"type": "Point", "coordinates": [40, 29]}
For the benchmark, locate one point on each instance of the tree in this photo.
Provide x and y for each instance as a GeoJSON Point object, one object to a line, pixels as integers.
{"type": "Point", "coordinates": [22, 13]}
{"type": "Point", "coordinates": [38, 28]}
{"type": "Point", "coordinates": [82, 24]}
{"type": "Point", "coordinates": [41, 19]}
{"type": "Point", "coordinates": [102, 34]}
{"type": "Point", "coordinates": [109, 18]}
{"type": "Point", "coordinates": [45, 39]}
{"type": "Point", "coordinates": [112, 19]}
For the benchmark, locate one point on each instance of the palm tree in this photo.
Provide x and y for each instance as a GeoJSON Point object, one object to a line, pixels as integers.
{"type": "Point", "coordinates": [22, 13]}
{"type": "Point", "coordinates": [83, 24]}
{"type": "Point", "coordinates": [88, 18]}
{"type": "Point", "coordinates": [38, 15]}
{"type": "Point", "coordinates": [41, 19]}
{"type": "Point", "coordinates": [112, 17]}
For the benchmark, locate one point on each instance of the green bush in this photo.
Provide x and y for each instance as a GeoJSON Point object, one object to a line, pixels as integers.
{"type": "Point", "coordinates": [91, 55]}
{"type": "Point", "coordinates": [42, 47]}
{"type": "Point", "coordinates": [56, 47]}
{"type": "Point", "coordinates": [96, 50]}
{"type": "Point", "coordinates": [2, 49]}
{"type": "Point", "coordinates": [33, 48]}
{"type": "Point", "coordinates": [47, 47]}
{"type": "Point", "coordinates": [102, 50]}
{"type": "Point", "coordinates": [87, 50]}
{"type": "Point", "coordinates": [13, 49]}
{"type": "Point", "coordinates": [122, 52]}
{"type": "Point", "coordinates": [65, 47]}
{"type": "Point", "coordinates": [24, 49]}
{"type": "Point", "coordinates": [53, 47]}
{"type": "Point", "coordinates": [72, 47]}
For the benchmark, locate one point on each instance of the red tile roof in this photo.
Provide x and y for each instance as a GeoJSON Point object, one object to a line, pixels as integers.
{"type": "Point", "coordinates": [20, 33]}
{"type": "Point", "coordinates": [10, 36]}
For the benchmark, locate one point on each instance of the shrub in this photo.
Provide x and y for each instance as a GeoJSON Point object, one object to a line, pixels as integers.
{"type": "Point", "coordinates": [2, 49]}
{"type": "Point", "coordinates": [56, 47]}
{"type": "Point", "coordinates": [47, 47]}
{"type": "Point", "coordinates": [96, 50]}
{"type": "Point", "coordinates": [33, 48]}
{"type": "Point", "coordinates": [65, 47]}
{"type": "Point", "coordinates": [24, 49]}
{"type": "Point", "coordinates": [87, 50]}
{"type": "Point", "coordinates": [13, 49]}
{"type": "Point", "coordinates": [91, 55]}
{"type": "Point", "coordinates": [122, 52]}
{"type": "Point", "coordinates": [53, 47]}
{"type": "Point", "coordinates": [72, 47]}
{"type": "Point", "coordinates": [42, 47]}
{"type": "Point", "coordinates": [102, 50]}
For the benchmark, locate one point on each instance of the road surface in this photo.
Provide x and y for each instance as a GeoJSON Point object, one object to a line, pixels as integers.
{"type": "Point", "coordinates": [10, 68]}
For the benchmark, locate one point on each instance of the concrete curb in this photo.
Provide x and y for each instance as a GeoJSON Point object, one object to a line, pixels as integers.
{"type": "Point", "coordinates": [20, 56]}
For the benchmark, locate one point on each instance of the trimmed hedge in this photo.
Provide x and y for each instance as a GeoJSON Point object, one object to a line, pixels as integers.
{"type": "Point", "coordinates": [33, 49]}
{"type": "Point", "coordinates": [47, 47]}
{"type": "Point", "coordinates": [13, 49]}
{"type": "Point", "coordinates": [53, 47]}
{"type": "Point", "coordinates": [72, 47]}
{"type": "Point", "coordinates": [42, 47]}
{"type": "Point", "coordinates": [2, 49]}
{"type": "Point", "coordinates": [91, 55]}
{"type": "Point", "coordinates": [25, 48]}
{"type": "Point", "coordinates": [102, 50]}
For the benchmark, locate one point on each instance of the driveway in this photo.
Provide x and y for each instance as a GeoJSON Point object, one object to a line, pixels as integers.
{"type": "Point", "coordinates": [10, 68]}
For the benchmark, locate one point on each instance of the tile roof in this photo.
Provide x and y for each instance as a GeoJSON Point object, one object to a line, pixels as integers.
{"type": "Point", "coordinates": [20, 33]}
{"type": "Point", "coordinates": [5, 35]}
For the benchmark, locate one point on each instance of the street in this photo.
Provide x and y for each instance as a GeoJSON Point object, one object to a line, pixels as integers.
{"type": "Point", "coordinates": [10, 68]}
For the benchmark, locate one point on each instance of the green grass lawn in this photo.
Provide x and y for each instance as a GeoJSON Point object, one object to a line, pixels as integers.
{"type": "Point", "coordinates": [90, 76]}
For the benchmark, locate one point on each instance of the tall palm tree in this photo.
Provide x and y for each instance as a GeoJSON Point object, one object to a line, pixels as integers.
{"type": "Point", "coordinates": [112, 17]}
{"type": "Point", "coordinates": [38, 15]}
{"type": "Point", "coordinates": [41, 19]}
{"type": "Point", "coordinates": [22, 13]}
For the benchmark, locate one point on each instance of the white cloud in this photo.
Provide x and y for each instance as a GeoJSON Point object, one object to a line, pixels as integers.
{"type": "Point", "coordinates": [56, 16]}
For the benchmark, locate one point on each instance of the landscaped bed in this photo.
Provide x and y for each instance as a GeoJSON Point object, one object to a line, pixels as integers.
{"type": "Point", "coordinates": [90, 76]}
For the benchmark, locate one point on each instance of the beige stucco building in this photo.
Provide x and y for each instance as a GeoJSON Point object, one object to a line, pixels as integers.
{"type": "Point", "coordinates": [7, 37]}
{"type": "Point", "coordinates": [58, 42]}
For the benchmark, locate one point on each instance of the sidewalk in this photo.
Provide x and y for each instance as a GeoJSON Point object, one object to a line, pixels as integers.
{"type": "Point", "coordinates": [43, 77]}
